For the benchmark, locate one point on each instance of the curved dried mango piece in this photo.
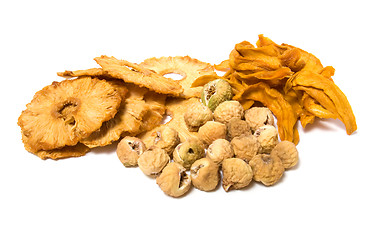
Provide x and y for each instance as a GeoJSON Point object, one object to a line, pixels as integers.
{"type": "Point", "coordinates": [224, 66]}
{"type": "Point", "coordinates": [203, 80]}
{"type": "Point", "coordinates": [312, 80]}
{"type": "Point", "coordinates": [273, 78]}
{"type": "Point", "coordinates": [274, 100]}
{"type": "Point", "coordinates": [316, 109]}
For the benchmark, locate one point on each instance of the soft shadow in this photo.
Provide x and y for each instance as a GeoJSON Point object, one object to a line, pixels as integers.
{"type": "Point", "coordinates": [324, 124]}
{"type": "Point", "coordinates": [106, 149]}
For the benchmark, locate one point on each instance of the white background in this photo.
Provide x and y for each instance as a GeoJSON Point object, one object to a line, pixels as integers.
{"type": "Point", "coordinates": [96, 197]}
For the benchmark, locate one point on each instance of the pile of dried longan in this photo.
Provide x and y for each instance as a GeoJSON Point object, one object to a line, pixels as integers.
{"type": "Point", "coordinates": [234, 145]}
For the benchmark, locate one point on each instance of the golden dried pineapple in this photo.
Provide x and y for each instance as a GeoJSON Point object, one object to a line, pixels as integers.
{"type": "Point", "coordinates": [63, 113]}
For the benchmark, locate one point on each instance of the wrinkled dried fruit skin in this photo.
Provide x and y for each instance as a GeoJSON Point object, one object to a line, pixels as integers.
{"type": "Point", "coordinates": [228, 110]}
{"type": "Point", "coordinates": [204, 174]}
{"type": "Point", "coordinates": [245, 147]}
{"type": "Point", "coordinates": [257, 117]}
{"type": "Point", "coordinates": [129, 149]}
{"type": "Point", "coordinates": [188, 152]}
{"type": "Point", "coordinates": [211, 131]}
{"type": "Point", "coordinates": [220, 150]}
{"type": "Point", "coordinates": [266, 169]}
{"type": "Point", "coordinates": [166, 138]}
{"type": "Point", "coordinates": [287, 152]}
{"type": "Point", "coordinates": [197, 115]}
{"type": "Point", "coordinates": [152, 161]}
{"type": "Point", "coordinates": [173, 180]}
{"type": "Point", "coordinates": [216, 92]}
{"type": "Point", "coordinates": [267, 138]}
{"type": "Point", "coordinates": [237, 174]}
{"type": "Point", "coordinates": [237, 127]}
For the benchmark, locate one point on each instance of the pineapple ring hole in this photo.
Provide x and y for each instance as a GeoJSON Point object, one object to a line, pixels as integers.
{"type": "Point", "coordinates": [67, 109]}
{"type": "Point", "coordinates": [174, 74]}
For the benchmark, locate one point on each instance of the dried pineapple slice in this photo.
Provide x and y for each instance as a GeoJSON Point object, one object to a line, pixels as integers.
{"type": "Point", "coordinates": [63, 113]}
{"type": "Point", "coordinates": [187, 67]}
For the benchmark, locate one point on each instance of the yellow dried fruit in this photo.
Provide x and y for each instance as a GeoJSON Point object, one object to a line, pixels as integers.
{"type": "Point", "coordinates": [173, 180]}
{"type": "Point", "coordinates": [245, 147]}
{"type": "Point", "coordinates": [267, 138]}
{"type": "Point", "coordinates": [188, 152]}
{"type": "Point", "coordinates": [152, 161]}
{"type": "Point", "coordinates": [237, 127]}
{"type": "Point", "coordinates": [204, 174]}
{"type": "Point", "coordinates": [197, 115]}
{"type": "Point", "coordinates": [287, 152]}
{"type": "Point", "coordinates": [267, 169]}
{"type": "Point", "coordinates": [258, 116]}
{"type": "Point", "coordinates": [129, 149]}
{"type": "Point", "coordinates": [237, 174]}
{"type": "Point", "coordinates": [189, 68]}
{"type": "Point", "coordinates": [211, 131]}
{"type": "Point", "coordinates": [228, 110]}
{"type": "Point", "coordinates": [219, 150]}
{"type": "Point", "coordinates": [164, 137]}
{"type": "Point", "coordinates": [65, 112]}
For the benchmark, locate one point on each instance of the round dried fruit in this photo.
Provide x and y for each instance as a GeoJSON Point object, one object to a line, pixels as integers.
{"type": "Point", "coordinates": [228, 110]}
{"type": "Point", "coordinates": [189, 68]}
{"type": "Point", "coordinates": [258, 116]}
{"type": "Point", "coordinates": [267, 137]}
{"type": "Point", "coordinates": [129, 149]}
{"type": "Point", "coordinates": [245, 147]}
{"type": "Point", "coordinates": [287, 152]}
{"type": "Point", "coordinates": [189, 151]}
{"type": "Point", "coordinates": [266, 169]}
{"type": "Point", "coordinates": [237, 127]}
{"type": "Point", "coordinates": [166, 138]}
{"type": "Point", "coordinates": [197, 115]}
{"type": "Point", "coordinates": [237, 174]}
{"type": "Point", "coordinates": [216, 92]}
{"type": "Point", "coordinates": [211, 131]}
{"type": "Point", "coordinates": [63, 113]}
{"type": "Point", "coordinates": [204, 174]}
{"type": "Point", "coordinates": [152, 161]}
{"type": "Point", "coordinates": [173, 180]}
{"type": "Point", "coordinates": [219, 150]}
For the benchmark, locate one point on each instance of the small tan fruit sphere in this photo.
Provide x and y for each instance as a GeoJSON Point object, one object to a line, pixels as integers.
{"type": "Point", "coordinates": [186, 153]}
{"type": "Point", "coordinates": [245, 147]}
{"type": "Point", "coordinates": [129, 149]}
{"type": "Point", "coordinates": [228, 110]}
{"type": "Point", "coordinates": [166, 138]}
{"type": "Point", "coordinates": [173, 180]}
{"type": "Point", "coordinates": [197, 115]}
{"type": "Point", "coordinates": [237, 127]}
{"type": "Point", "coordinates": [258, 116]}
{"type": "Point", "coordinates": [237, 174]}
{"type": "Point", "coordinates": [220, 150]}
{"type": "Point", "coordinates": [266, 169]}
{"type": "Point", "coordinates": [152, 161]}
{"type": "Point", "coordinates": [267, 137]}
{"type": "Point", "coordinates": [204, 174]}
{"type": "Point", "coordinates": [211, 131]}
{"type": "Point", "coordinates": [287, 152]}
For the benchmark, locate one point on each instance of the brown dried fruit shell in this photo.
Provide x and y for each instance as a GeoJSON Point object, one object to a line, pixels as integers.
{"type": "Point", "coordinates": [63, 113]}
{"type": "Point", "coordinates": [139, 75]}
{"type": "Point", "coordinates": [189, 68]}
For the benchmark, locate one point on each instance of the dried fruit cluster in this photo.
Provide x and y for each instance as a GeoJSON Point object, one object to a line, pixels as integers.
{"type": "Point", "coordinates": [231, 144]}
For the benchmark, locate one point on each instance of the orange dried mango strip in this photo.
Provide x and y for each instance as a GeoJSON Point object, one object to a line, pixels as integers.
{"type": "Point", "coordinates": [274, 100]}
{"type": "Point", "coordinates": [314, 80]}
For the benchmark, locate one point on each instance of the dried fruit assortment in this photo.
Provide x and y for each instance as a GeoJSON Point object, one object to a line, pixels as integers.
{"type": "Point", "coordinates": [221, 128]}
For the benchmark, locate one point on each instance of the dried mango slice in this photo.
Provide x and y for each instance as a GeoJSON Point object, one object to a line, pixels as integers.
{"type": "Point", "coordinates": [274, 100]}
{"type": "Point", "coordinates": [143, 77]}
{"type": "Point", "coordinates": [63, 113]}
{"type": "Point", "coordinates": [312, 80]}
{"type": "Point", "coordinates": [189, 68]}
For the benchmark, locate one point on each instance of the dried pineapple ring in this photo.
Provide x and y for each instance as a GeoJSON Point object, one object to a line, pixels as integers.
{"type": "Point", "coordinates": [189, 68]}
{"type": "Point", "coordinates": [63, 113]}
